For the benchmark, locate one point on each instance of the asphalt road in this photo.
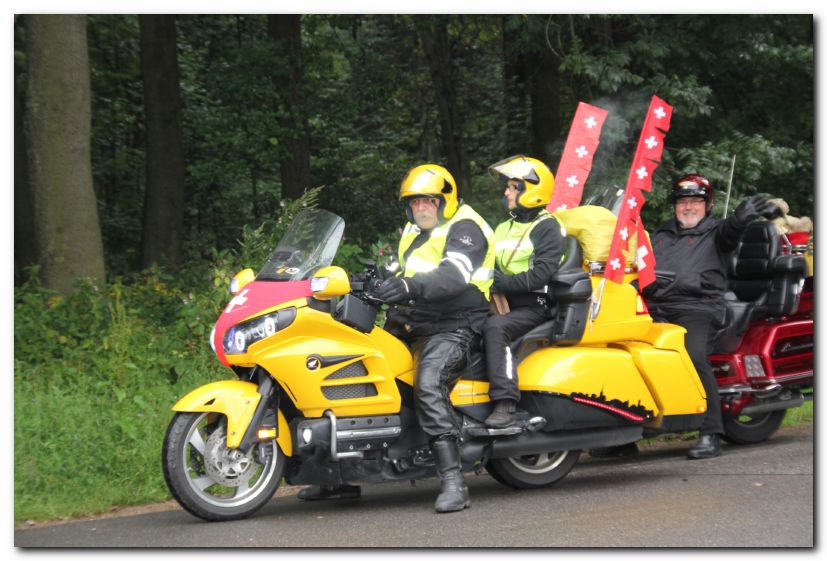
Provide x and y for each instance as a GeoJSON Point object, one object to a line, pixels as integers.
{"type": "Point", "coordinates": [752, 496]}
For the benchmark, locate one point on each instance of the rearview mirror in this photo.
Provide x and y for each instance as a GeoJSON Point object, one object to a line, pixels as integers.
{"type": "Point", "coordinates": [329, 282]}
{"type": "Point", "coordinates": [241, 279]}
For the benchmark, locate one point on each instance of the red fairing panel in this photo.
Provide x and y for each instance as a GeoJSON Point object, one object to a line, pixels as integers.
{"type": "Point", "coordinates": [252, 299]}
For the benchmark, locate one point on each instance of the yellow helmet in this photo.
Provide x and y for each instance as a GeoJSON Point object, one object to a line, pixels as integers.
{"type": "Point", "coordinates": [431, 180]}
{"type": "Point", "coordinates": [536, 179]}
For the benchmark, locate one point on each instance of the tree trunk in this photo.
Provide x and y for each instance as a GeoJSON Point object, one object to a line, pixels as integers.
{"type": "Point", "coordinates": [518, 140]}
{"type": "Point", "coordinates": [24, 249]}
{"type": "Point", "coordinates": [545, 106]}
{"type": "Point", "coordinates": [285, 32]}
{"type": "Point", "coordinates": [164, 198]}
{"type": "Point", "coordinates": [435, 43]}
{"type": "Point", "coordinates": [58, 127]}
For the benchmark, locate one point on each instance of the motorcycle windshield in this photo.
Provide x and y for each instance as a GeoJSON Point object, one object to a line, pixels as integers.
{"type": "Point", "coordinates": [309, 244]}
{"type": "Point", "coordinates": [607, 197]}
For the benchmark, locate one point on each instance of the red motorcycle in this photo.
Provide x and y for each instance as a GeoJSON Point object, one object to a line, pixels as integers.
{"type": "Point", "coordinates": [763, 357]}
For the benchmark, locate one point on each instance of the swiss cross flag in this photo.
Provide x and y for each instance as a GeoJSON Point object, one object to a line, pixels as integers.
{"type": "Point", "coordinates": [576, 160]}
{"type": "Point", "coordinates": [628, 217]}
{"type": "Point", "coordinates": [645, 257]}
{"type": "Point", "coordinates": [648, 154]}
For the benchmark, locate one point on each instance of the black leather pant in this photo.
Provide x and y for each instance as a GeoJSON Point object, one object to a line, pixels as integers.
{"type": "Point", "coordinates": [701, 323]}
{"type": "Point", "coordinates": [440, 358]}
{"type": "Point", "coordinates": [499, 332]}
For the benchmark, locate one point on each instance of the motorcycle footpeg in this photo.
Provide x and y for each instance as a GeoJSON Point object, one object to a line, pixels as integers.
{"type": "Point", "coordinates": [523, 425]}
{"type": "Point", "coordinates": [535, 423]}
{"type": "Point", "coordinates": [485, 431]}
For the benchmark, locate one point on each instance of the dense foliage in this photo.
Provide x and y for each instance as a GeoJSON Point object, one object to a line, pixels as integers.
{"type": "Point", "coordinates": [96, 371]}
{"type": "Point", "coordinates": [741, 85]}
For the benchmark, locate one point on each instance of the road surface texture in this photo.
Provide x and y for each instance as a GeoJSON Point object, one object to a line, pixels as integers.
{"type": "Point", "coordinates": [755, 496]}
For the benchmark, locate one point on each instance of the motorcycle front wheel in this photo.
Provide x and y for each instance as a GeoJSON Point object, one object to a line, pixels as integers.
{"type": "Point", "coordinates": [534, 470]}
{"type": "Point", "coordinates": [209, 479]}
{"type": "Point", "coordinates": [752, 429]}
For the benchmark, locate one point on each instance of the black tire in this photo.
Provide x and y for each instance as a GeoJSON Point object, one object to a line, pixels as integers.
{"type": "Point", "coordinates": [750, 430]}
{"type": "Point", "coordinates": [533, 471]}
{"type": "Point", "coordinates": [212, 481]}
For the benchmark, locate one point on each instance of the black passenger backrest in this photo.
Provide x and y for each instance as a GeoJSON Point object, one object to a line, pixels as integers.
{"type": "Point", "coordinates": [752, 272]}
{"type": "Point", "coordinates": [569, 289]}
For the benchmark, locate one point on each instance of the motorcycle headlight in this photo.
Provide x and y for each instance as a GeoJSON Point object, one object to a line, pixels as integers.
{"type": "Point", "coordinates": [239, 337]}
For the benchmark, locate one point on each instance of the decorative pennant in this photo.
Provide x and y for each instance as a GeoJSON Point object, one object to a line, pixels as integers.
{"type": "Point", "coordinates": [647, 156]}
{"type": "Point", "coordinates": [645, 257]}
{"type": "Point", "coordinates": [576, 160]}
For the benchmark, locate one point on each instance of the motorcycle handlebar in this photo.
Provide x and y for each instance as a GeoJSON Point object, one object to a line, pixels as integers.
{"type": "Point", "coordinates": [363, 284]}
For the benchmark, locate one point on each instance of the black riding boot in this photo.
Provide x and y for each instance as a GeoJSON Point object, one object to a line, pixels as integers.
{"type": "Point", "coordinates": [454, 493]}
{"type": "Point", "coordinates": [709, 446]}
{"type": "Point", "coordinates": [503, 415]}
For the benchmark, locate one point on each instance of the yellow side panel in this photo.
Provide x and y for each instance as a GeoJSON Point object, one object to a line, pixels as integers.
{"type": "Point", "coordinates": [617, 319]}
{"type": "Point", "coordinates": [234, 399]}
{"type": "Point", "coordinates": [284, 439]}
{"type": "Point", "coordinates": [315, 333]}
{"type": "Point", "coordinates": [599, 372]}
{"type": "Point", "coordinates": [665, 336]}
{"type": "Point", "coordinates": [463, 393]}
{"type": "Point", "coordinates": [670, 337]}
{"type": "Point", "coordinates": [481, 392]}
{"type": "Point", "coordinates": [408, 377]}
{"type": "Point", "coordinates": [396, 354]}
{"type": "Point", "coordinates": [676, 388]}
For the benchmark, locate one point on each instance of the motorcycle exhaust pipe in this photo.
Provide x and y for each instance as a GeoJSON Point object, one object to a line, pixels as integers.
{"type": "Point", "coordinates": [760, 408]}
{"type": "Point", "coordinates": [528, 442]}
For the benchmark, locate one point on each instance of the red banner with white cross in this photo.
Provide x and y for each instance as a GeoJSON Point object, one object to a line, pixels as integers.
{"type": "Point", "coordinates": [647, 156]}
{"type": "Point", "coordinates": [576, 160]}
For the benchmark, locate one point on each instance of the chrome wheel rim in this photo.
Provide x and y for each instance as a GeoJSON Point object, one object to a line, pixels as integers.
{"type": "Point", "coordinates": [539, 463]}
{"type": "Point", "coordinates": [222, 476]}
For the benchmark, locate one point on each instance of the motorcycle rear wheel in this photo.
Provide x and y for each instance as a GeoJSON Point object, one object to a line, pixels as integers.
{"type": "Point", "coordinates": [533, 471]}
{"type": "Point", "coordinates": [750, 430]}
{"type": "Point", "coordinates": [209, 479]}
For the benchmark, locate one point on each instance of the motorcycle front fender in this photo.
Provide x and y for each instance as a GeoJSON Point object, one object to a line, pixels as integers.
{"type": "Point", "coordinates": [237, 401]}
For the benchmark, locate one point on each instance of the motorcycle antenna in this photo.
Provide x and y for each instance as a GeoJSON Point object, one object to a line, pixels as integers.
{"type": "Point", "coordinates": [729, 185]}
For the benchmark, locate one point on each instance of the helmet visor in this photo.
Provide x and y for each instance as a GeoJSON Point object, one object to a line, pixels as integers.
{"type": "Point", "coordinates": [515, 167]}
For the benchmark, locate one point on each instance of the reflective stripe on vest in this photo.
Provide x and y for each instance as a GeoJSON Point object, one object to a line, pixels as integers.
{"type": "Point", "coordinates": [515, 238]}
{"type": "Point", "coordinates": [429, 255]}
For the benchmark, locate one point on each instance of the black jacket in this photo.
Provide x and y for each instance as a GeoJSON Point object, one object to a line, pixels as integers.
{"type": "Point", "coordinates": [699, 258]}
{"type": "Point", "coordinates": [445, 299]}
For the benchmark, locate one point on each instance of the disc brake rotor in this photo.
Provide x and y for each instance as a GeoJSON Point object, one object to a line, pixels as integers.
{"type": "Point", "coordinates": [224, 465]}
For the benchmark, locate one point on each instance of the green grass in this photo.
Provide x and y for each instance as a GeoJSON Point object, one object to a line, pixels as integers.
{"type": "Point", "coordinates": [799, 415]}
{"type": "Point", "coordinates": [95, 377]}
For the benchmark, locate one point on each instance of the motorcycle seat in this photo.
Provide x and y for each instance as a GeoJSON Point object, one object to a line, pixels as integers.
{"type": "Point", "coordinates": [762, 281]}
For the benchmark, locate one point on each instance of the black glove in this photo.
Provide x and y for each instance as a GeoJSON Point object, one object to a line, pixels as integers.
{"type": "Point", "coordinates": [395, 290]}
{"type": "Point", "coordinates": [752, 208]}
{"type": "Point", "coordinates": [497, 285]}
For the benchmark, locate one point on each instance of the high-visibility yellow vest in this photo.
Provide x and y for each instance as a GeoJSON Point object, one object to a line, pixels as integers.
{"type": "Point", "coordinates": [429, 255]}
{"type": "Point", "coordinates": [514, 250]}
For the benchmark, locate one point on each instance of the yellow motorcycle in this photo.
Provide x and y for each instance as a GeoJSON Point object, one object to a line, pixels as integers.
{"type": "Point", "coordinates": [324, 396]}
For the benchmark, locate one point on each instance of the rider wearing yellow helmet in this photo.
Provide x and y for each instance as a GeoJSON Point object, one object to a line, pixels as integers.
{"type": "Point", "coordinates": [439, 304]}
{"type": "Point", "coordinates": [528, 251]}
{"type": "Point", "coordinates": [446, 255]}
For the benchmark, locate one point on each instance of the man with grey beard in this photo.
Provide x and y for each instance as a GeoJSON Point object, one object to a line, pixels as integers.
{"type": "Point", "coordinates": [439, 302]}
{"type": "Point", "coordinates": [692, 252]}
